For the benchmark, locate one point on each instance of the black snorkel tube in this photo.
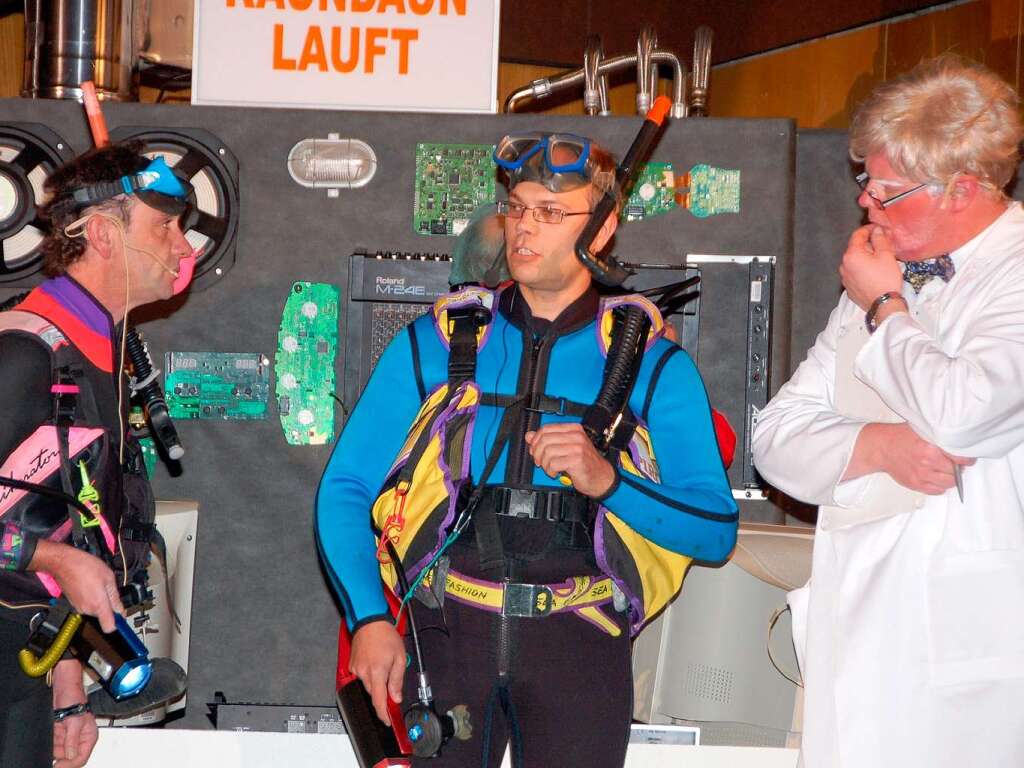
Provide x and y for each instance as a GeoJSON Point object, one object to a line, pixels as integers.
{"type": "Point", "coordinates": [608, 271]}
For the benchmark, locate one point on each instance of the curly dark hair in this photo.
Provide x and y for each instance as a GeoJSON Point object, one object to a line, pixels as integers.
{"type": "Point", "coordinates": [95, 166]}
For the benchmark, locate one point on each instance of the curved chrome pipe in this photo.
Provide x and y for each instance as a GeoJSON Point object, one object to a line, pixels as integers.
{"type": "Point", "coordinates": [544, 86]}
{"type": "Point", "coordinates": [678, 81]}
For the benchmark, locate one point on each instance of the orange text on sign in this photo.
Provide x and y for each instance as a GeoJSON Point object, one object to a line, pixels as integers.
{"type": "Point", "coordinates": [418, 7]}
{"type": "Point", "coordinates": [343, 49]}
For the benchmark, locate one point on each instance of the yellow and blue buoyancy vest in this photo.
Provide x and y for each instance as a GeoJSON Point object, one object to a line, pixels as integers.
{"type": "Point", "coordinates": [429, 480]}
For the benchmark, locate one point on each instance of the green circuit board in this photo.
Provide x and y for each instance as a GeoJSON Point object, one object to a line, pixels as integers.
{"type": "Point", "coordinates": [653, 193]}
{"type": "Point", "coordinates": [452, 181]}
{"type": "Point", "coordinates": [712, 191]}
{"type": "Point", "coordinates": [307, 342]}
{"type": "Point", "coordinates": [217, 385]}
{"type": "Point", "coordinates": [149, 454]}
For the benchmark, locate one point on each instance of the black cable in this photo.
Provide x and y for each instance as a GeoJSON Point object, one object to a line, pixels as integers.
{"type": "Point", "coordinates": [403, 582]}
{"type": "Point", "coordinates": [43, 490]}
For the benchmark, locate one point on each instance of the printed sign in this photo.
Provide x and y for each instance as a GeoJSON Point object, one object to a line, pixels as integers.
{"type": "Point", "coordinates": [395, 55]}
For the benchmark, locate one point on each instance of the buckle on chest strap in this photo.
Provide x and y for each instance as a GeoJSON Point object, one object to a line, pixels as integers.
{"type": "Point", "coordinates": [555, 506]}
{"type": "Point", "coordinates": [527, 600]}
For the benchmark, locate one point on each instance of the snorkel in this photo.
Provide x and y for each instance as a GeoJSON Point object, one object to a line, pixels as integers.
{"type": "Point", "coordinates": [608, 271]}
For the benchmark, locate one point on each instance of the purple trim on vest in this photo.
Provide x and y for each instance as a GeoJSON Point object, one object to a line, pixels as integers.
{"type": "Point", "coordinates": [80, 303]}
{"type": "Point", "coordinates": [636, 605]}
{"type": "Point", "coordinates": [452, 485]}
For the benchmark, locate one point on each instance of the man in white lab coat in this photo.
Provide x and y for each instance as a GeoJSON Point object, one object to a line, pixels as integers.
{"type": "Point", "coordinates": [906, 424]}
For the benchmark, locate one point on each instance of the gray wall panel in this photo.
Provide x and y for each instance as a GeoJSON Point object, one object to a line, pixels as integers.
{"type": "Point", "coordinates": [264, 622]}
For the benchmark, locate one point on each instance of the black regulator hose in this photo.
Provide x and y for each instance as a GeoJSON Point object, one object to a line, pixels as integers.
{"type": "Point", "coordinates": [161, 425]}
{"type": "Point", "coordinates": [630, 326]}
{"type": "Point", "coordinates": [608, 271]}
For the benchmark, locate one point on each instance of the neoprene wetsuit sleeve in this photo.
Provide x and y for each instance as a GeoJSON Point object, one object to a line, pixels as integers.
{"type": "Point", "coordinates": [354, 475]}
{"type": "Point", "coordinates": [24, 405]}
{"type": "Point", "coordinates": [691, 511]}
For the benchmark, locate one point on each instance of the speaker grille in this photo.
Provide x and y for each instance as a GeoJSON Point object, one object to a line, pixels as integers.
{"type": "Point", "coordinates": [28, 154]}
{"type": "Point", "coordinates": [712, 683]}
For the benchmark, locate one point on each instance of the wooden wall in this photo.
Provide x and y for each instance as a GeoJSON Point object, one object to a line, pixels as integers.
{"type": "Point", "coordinates": [817, 83]}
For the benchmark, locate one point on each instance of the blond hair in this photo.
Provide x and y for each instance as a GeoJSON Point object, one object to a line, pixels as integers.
{"type": "Point", "coordinates": [946, 116]}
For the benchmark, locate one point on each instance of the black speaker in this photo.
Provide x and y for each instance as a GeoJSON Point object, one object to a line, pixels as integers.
{"type": "Point", "coordinates": [212, 169]}
{"type": "Point", "coordinates": [29, 152]}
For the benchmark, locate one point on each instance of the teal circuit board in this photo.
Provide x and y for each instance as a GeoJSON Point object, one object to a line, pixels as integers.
{"type": "Point", "coordinates": [307, 343]}
{"type": "Point", "coordinates": [452, 181]}
{"type": "Point", "coordinates": [712, 191]}
{"type": "Point", "coordinates": [653, 193]}
{"type": "Point", "coordinates": [217, 385]}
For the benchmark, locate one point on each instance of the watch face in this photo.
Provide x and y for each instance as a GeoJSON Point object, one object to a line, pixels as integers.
{"type": "Point", "coordinates": [872, 313]}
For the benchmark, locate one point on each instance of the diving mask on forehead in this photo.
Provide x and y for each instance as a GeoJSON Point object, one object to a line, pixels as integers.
{"type": "Point", "coordinates": [561, 162]}
{"type": "Point", "coordinates": [156, 185]}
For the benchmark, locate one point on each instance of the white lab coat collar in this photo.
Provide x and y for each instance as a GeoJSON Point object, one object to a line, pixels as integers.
{"type": "Point", "coordinates": [961, 255]}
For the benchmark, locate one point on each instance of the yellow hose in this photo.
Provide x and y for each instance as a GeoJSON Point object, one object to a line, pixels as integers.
{"type": "Point", "coordinates": [34, 666]}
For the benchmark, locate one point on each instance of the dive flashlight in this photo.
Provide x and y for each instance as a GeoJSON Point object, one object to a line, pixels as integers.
{"type": "Point", "coordinates": [118, 658]}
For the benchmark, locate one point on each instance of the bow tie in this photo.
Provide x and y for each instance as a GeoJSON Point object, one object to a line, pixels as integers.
{"type": "Point", "coordinates": [918, 273]}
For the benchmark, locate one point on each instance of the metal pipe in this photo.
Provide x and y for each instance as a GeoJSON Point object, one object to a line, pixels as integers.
{"type": "Point", "coordinates": [68, 42]}
{"type": "Point", "coordinates": [544, 86]}
{"type": "Point", "coordinates": [646, 69]}
{"type": "Point", "coordinates": [678, 81]}
{"type": "Point", "coordinates": [702, 39]}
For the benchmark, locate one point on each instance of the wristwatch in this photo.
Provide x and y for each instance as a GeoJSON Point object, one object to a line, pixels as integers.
{"type": "Point", "coordinates": [869, 317]}
{"type": "Point", "coordinates": [75, 709]}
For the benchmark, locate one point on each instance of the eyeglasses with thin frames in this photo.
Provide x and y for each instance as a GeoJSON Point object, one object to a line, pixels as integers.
{"type": "Point", "coordinates": [542, 213]}
{"type": "Point", "coordinates": [863, 179]}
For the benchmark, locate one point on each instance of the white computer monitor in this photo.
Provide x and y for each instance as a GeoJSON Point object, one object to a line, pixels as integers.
{"type": "Point", "coordinates": [705, 661]}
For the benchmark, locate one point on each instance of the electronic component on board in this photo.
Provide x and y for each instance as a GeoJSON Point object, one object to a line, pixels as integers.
{"type": "Point", "coordinates": [452, 181]}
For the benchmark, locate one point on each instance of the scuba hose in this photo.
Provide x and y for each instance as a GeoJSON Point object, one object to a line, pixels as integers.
{"type": "Point", "coordinates": [630, 327]}
{"type": "Point", "coordinates": [629, 339]}
{"type": "Point", "coordinates": [145, 384]}
{"type": "Point", "coordinates": [37, 666]}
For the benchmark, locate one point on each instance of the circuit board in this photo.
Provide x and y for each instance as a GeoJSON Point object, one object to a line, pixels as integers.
{"type": "Point", "coordinates": [149, 454]}
{"type": "Point", "coordinates": [712, 191]}
{"type": "Point", "coordinates": [216, 385]}
{"type": "Point", "coordinates": [653, 193]}
{"type": "Point", "coordinates": [307, 342]}
{"type": "Point", "coordinates": [452, 181]}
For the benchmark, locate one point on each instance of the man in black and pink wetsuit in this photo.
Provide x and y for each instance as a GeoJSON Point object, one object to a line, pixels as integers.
{"type": "Point", "coordinates": [116, 243]}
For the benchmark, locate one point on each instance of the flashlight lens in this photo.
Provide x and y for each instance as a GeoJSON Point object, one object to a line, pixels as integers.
{"type": "Point", "coordinates": [131, 678]}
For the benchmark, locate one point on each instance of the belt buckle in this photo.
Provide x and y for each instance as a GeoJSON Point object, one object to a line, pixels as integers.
{"type": "Point", "coordinates": [521, 503]}
{"type": "Point", "coordinates": [526, 600]}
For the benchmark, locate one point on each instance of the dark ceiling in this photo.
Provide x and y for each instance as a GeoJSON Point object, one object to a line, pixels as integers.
{"type": "Point", "coordinates": [552, 32]}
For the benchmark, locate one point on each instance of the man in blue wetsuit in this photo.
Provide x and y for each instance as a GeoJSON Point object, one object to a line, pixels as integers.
{"type": "Point", "coordinates": [557, 685]}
